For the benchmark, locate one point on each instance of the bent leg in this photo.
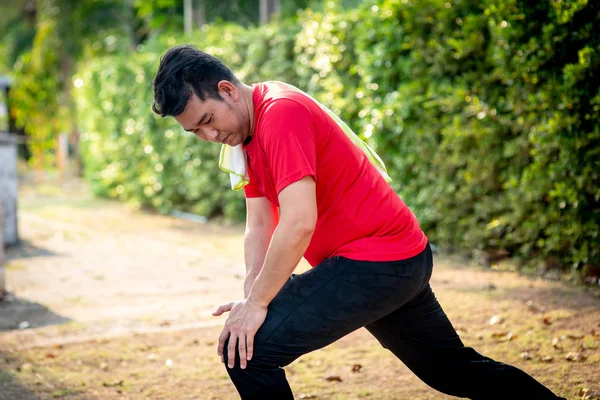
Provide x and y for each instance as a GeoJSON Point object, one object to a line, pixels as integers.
{"type": "Point", "coordinates": [317, 308]}
{"type": "Point", "coordinates": [420, 334]}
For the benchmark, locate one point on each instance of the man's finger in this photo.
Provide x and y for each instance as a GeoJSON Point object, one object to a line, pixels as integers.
{"type": "Point", "coordinates": [222, 338]}
{"type": "Point", "coordinates": [249, 346]}
{"type": "Point", "coordinates": [222, 309]}
{"type": "Point", "coordinates": [231, 350]}
{"type": "Point", "coordinates": [242, 350]}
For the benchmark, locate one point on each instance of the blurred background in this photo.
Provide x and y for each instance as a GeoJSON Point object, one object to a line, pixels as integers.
{"type": "Point", "coordinates": [487, 113]}
{"type": "Point", "coordinates": [119, 235]}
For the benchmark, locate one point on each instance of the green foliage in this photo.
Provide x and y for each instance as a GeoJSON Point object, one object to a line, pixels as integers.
{"type": "Point", "coordinates": [486, 113]}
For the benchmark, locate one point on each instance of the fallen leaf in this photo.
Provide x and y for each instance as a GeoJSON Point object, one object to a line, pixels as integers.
{"type": "Point", "coordinates": [525, 355]}
{"type": "Point", "coordinates": [50, 355]}
{"type": "Point", "coordinates": [333, 378]}
{"type": "Point", "coordinates": [546, 320]}
{"type": "Point", "coordinates": [308, 396]}
{"type": "Point", "coordinates": [503, 336]}
{"type": "Point", "coordinates": [573, 336]}
{"type": "Point", "coordinates": [25, 367]}
{"type": "Point", "coordinates": [103, 366]}
{"type": "Point", "coordinates": [534, 307]}
{"type": "Point", "coordinates": [113, 384]}
{"type": "Point", "coordinates": [586, 394]}
{"type": "Point", "coordinates": [357, 368]}
{"type": "Point", "coordinates": [555, 344]}
{"type": "Point", "coordinates": [574, 357]}
{"type": "Point", "coordinates": [546, 359]}
{"type": "Point", "coordinates": [496, 319]}
{"type": "Point", "coordinates": [164, 323]}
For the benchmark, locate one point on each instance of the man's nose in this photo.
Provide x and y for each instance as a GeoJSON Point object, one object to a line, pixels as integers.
{"type": "Point", "coordinates": [211, 134]}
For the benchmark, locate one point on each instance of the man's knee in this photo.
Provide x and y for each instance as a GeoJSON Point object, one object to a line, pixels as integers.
{"type": "Point", "coordinates": [258, 360]}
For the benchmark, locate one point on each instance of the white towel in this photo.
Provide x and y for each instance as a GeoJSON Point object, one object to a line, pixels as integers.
{"type": "Point", "coordinates": [233, 159]}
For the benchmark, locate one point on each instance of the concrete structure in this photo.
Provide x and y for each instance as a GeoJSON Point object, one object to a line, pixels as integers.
{"type": "Point", "coordinates": [2, 281]}
{"type": "Point", "coordinates": [9, 187]}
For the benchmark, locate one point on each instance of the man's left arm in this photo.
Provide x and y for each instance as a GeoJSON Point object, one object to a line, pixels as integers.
{"type": "Point", "coordinates": [298, 209]}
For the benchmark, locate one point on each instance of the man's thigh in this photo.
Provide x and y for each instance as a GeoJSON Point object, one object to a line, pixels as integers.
{"type": "Point", "coordinates": [318, 307]}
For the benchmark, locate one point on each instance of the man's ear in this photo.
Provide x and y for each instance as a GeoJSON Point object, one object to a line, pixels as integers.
{"type": "Point", "coordinates": [228, 90]}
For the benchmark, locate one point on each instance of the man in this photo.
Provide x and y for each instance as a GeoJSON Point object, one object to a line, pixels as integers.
{"type": "Point", "coordinates": [314, 193]}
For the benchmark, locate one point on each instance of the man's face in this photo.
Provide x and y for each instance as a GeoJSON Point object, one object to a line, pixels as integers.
{"type": "Point", "coordinates": [215, 120]}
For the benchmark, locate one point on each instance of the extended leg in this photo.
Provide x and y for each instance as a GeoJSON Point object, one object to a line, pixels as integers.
{"type": "Point", "coordinates": [420, 334]}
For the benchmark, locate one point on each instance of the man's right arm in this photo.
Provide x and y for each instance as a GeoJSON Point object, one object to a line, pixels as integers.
{"type": "Point", "coordinates": [262, 217]}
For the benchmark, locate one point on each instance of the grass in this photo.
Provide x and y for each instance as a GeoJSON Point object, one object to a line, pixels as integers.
{"type": "Point", "coordinates": [136, 366]}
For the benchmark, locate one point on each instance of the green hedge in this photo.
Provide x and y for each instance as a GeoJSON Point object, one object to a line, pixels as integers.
{"type": "Point", "coordinates": [487, 114]}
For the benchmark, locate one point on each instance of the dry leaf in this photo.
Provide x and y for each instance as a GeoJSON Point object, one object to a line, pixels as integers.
{"type": "Point", "coordinates": [113, 384]}
{"type": "Point", "coordinates": [575, 357]}
{"type": "Point", "coordinates": [525, 355]}
{"type": "Point", "coordinates": [573, 336]}
{"type": "Point", "coordinates": [50, 355]}
{"type": "Point", "coordinates": [555, 344]}
{"type": "Point", "coordinates": [25, 367]}
{"type": "Point", "coordinates": [357, 368]}
{"type": "Point", "coordinates": [496, 319]}
{"type": "Point", "coordinates": [308, 396]}
{"type": "Point", "coordinates": [587, 395]}
{"type": "Point", "coordinates": [546, 320]}
{"type": "Point", "coordinates": [503, 336]}
{"type": "Point", "coordinates": [534, 307]}
{"type": "Point", "coordinates": [546, 359]}
{"type": "Point", "coordinates": [333, 378]}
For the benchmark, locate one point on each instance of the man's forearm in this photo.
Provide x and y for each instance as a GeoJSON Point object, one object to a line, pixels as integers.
{"type": "Point", "coordinates": [256, 243]}
{"type": "Point", "coordinates": [287, 248]}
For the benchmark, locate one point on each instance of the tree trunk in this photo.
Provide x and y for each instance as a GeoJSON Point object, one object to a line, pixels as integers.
{"type": "Point", "coordinates": [187, 16]}
{"type": "Point", "coordinates": [267, 9]}
{"type": "Point", "coordinates": [200, 13]}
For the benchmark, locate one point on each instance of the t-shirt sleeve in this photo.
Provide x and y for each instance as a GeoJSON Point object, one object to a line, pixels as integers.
{"type": "Point", "coordinates": [251, 190]}
{"type": "Point", "coordinates": [288, 133]}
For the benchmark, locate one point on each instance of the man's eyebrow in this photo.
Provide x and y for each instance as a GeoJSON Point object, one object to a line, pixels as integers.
{"type": "Point", "coordinates": [199, 122]}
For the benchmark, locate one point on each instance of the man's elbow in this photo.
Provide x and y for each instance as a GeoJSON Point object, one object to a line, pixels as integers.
{"type": "Point", "coordinates": [301, 226]}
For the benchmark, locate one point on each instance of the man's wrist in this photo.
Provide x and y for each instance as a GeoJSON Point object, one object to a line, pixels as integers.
{"type": "Point", "coordinates": [252, 300]}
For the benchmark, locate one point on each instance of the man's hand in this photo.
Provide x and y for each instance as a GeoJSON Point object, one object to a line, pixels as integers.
{"type": "Point", "coordinates": [244, 320]}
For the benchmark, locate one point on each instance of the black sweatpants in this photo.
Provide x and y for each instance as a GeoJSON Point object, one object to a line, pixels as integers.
{"type": "Point", "coordinates": [394, 301]}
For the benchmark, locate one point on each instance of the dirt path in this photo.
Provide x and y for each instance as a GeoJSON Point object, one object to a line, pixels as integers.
{"type": "Point", "coordinates": [94, 277]}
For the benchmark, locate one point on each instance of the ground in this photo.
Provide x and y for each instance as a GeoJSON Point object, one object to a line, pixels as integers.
{"type": "Point", "coordinates": [111, 303]}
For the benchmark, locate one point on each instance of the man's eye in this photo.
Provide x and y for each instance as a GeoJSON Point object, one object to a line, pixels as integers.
{"type": "Point", "coordinates": [210, 120]}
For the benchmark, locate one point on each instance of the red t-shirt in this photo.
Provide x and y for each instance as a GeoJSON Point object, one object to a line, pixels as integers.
{"type": "Point", "coordinates": [359, 215]}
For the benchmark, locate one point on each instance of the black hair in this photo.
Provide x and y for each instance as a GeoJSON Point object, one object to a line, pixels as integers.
{"type": "Point", "coordinates": [184, 70]}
